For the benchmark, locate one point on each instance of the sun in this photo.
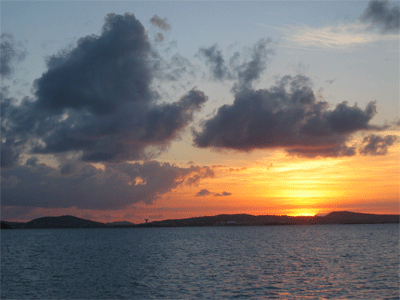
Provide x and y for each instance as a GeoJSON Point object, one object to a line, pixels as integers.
{"type": "Point", "coordinates": [306, 215]}
{"type": "Point", "coordinates": [303, 212]}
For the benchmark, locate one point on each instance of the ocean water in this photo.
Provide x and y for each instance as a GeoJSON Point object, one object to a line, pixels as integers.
{"type": "Point", "coordinates": [272, 262]}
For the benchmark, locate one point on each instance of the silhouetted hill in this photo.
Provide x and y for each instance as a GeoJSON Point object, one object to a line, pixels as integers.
{"type": "Point", "coordinates": [5, 226]}
{"type": "Point", "coordinates": [57, 222]}
{"type": "Point", "coordinates": [63, 222]}
{"type": "Point", "coordinates": [347, 217]}
{"type": "Point", "coordinates": [341, 217]}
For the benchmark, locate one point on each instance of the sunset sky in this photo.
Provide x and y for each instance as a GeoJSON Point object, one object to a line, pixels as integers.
{"type": "Point", "coordinates": [136, 110]}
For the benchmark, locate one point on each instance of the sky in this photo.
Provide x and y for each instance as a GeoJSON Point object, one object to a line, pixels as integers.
{"type": "Point", "coordinates": [130, 110]}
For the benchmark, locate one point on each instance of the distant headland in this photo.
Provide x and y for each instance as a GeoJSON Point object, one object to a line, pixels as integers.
{"type": "Point", "coordinates": [341, 217]}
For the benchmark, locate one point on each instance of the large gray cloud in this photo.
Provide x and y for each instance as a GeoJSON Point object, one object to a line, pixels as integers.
{"type": "Point", "coordinates": [101, 72]}
{"type": "Point", "coordinates": [11, 53]}
{"type": "Point", "coordinates": [382, 15]}
{"type": "Point", "coordinates": [96, 99]}
{"type": "Point", "coordinates": [285, 116]}
{"type": "Point", "coordinates": [86, 187]}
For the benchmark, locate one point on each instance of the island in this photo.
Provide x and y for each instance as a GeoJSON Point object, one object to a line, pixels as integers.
{"type": "Point", "coordinates": [340, 217]}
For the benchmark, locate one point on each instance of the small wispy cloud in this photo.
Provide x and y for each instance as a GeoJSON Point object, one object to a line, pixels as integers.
{"type": "Point", "coordinates": [206, 192]}
{"type": "Point", "coordinates": [203, 192]}
{"type": "Point", "coordinates": [333, 36]}
{"type": "Point", "coordinates": [160, 23]}
{"type": "Point", "coordinates": [339, 35]}
{"type": "Point", "coordinates": [222, 194]}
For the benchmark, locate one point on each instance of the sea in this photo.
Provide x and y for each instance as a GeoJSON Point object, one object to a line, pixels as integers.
{"type": "Point", "coordinates": [260, 262]}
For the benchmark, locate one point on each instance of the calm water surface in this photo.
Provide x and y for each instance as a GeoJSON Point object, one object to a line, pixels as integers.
{"type": "Point", "coordinates": [282, 262]}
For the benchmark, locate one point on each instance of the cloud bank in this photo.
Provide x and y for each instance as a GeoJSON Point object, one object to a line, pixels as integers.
{"type": "Point", "coordinates": [86, 187]}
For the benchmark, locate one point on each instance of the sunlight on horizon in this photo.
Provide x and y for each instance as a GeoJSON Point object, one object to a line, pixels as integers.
{"type": "Point", "coordinates": [303, 212]}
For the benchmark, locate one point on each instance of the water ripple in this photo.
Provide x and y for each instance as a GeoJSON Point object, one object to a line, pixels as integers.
{"type": "Point", "coordinates": [285, 262]}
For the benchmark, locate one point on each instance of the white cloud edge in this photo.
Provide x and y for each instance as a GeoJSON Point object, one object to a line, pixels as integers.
{"type": "Point", "coordinates": [332, 36]}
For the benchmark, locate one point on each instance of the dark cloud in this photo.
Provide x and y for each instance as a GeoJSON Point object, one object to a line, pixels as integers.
{"type": "Point", "coordinates": [11, 52]}
{"type": "Point", "coordinates": [101, 72]}
{"type": "Point", "coordinates": [86, 187]}
{"type": "Point", "coordinates": [249, 71]}
{"type": "Point", "coordinates": [245, 67]}
{"type": "Point", "coordinates": [32, 161]}
{"type": "Point", "coordinates": [160, 23]}
{"type": "Point", "coordinates": [206, 192]}
{"type": "Point", "coordinates": [13, 142]}
{"type": "Point", "coordinates": [9, 153]}
{"type": "Point", "coordinates": [95, 99]}
{"type": "Point", "coordinates": [203, 192]}
{"type": "Point", "coordinates": [159, 37]}
{"type": "Point", "coordinates": [377, 145]}
{"type": "Point", "coordinates": [383, 16]}
{"type": "Point", "coordinates": [222, 194]}
{"type": "Point", "coordinates": [216, 62]}
{"type": "Point", "coordinates": [285, 116]}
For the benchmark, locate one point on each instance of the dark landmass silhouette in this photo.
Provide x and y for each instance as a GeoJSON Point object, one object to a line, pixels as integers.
{"type": "Point", "coordinates": [120, 224]}
{"type": "Point", "coordinates": [5, 226]}
{"type": "Point", "coordinates": [56, 222]}
{"type": "Point", "coordinates": [341, 217]}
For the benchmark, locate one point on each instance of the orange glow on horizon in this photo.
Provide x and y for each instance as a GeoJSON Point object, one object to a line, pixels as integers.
{"type": "Point", "coordinates": [303, 212]}
{"type": "Point", "coordinates": [267, 183]}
